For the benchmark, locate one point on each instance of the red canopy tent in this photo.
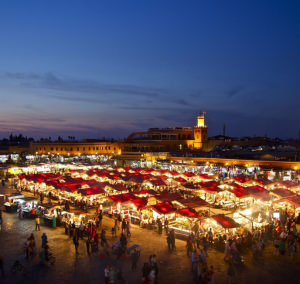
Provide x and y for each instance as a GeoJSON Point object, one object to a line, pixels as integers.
{"type": "Point", "coordinates": [189, 174]}
{"type": "Point", "coordinates": [293, 200]}
{"type": "Point", "coordinates": [118, 187]}
{"type": "Point", "coordinates": [211, 189]}
{"type": "Point", "coordinates": [225, 222]}
{"type": "Point", "coordinates": [208, 183]}
{"type": "Point", "coordinates": [163, 208]}
{"type": "Point", "coordinates": [263, 181]}
{"type": "Point", "coordinates": [180, 179]}
{"type": "Point", "coordinates": [259, 192]}
{"type": "Point", "coordinates": [282, 192]}
{"type": "Point", "coordinates": [205, 177]}
{"type": "Point", "coordinates": [157, 182]}
{"type": "Point", "coordinates": [240, 192]}
{"type": "Point", "coordinates": [69, 188]}
{"type": "Point", "coordinates": [91, 191]}
{"type": "Point", "coordinates": [188, 212]}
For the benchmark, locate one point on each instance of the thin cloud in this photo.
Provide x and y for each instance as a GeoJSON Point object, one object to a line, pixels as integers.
{"type": "Point", "coordinates": [53, 82]}
{"type": "Point", "coordinates": [182, 102]}
{"type": "Point", "coordinates": [234, 91]}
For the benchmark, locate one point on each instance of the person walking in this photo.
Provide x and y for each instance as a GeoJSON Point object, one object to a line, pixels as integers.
{"type": "Point", "coordinates": [205, 246]}
{"type": "Point", "coordinates": [166, 224]}
{"type": "Point", "coordinates": [189, 246]}
{"type": "Point", "coordinates": [37, 223]}
{"type": "Point", "coordinates": [1, 265]}
{"type": "Point", "coordinates": [134, 259]}
{"type": "Point", "coordinates": [231, 274]}
{"type": "Point", "coordinates": [173, 238]}
{"type": "Point", "coordinates": [155, 268]}
{"type": "Point", "coordinates": [128, 227]}
{"type": "Point", "coordinates": [199, 274]}
{"type": "Point", "coordinates": [282, 246]}
{"type": "Point", "coordinates": [103, 238]}
{"type": "Point", "coordinates": [44, 239]}
{"type": "Point", "coordinates": [169, 241]}
{"type": "Point", "coordinates": [210, 237]}
{"type": "Point", "coordinates": [194, 260]}
{"type": "Point", "coordinates": [76, 242]}
{"type": "Point", "coordinates": [112, 275]}
{"type": "Point", "coordinates": [146, 270]}
{"type": "Point", "coordinates": [119, 221]}
{"type": "Point", "coordinates": [81, 229]}
{"type": "Point", "coordinates": [88, 241]}
{"type": "Point", "coordinates": [292, 248]}
{"type": "Point", "coordinates": [254, 251]}
{"type": "Point", "coordinates": [120, 276]}
{"type": "Point", "coordinates": [123, 225]}
{"type": "Point", "coordinates": [116, 226]}
{"type": "Point", "coordinates": [159, 223]}
{"type": "Point", "coordinates": [27, 247]}
{"type": "Point", "coordinates": [106, 274]}
{"type": "Point", "coordinates": [276, 245]}
{"type": "Point", "coordinates": [193, 239]}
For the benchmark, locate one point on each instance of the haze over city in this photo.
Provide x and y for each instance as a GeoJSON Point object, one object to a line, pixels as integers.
{"type": "Point", "coordinates": [108, 68]}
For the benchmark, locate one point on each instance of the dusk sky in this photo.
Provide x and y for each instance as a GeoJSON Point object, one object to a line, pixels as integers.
{"type": "Point", "coordinates": [94, 69]}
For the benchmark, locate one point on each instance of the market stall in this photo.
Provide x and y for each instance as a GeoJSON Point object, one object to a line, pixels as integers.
{"type": "Point", "coordinates": [199, 205]}
{"type": "Point", "coordinates": [75, 216]}
{"type": "Point", "coordinates": [11, 204]}
{"type": "Point", "coordinates": [52, 214]}
{"type": "Point", "coordinates": [158, 211]}
{"type": "Point", "coordinates": [223, 225]}
{"type": "Point", "coordinates": [182, 224]}
{"type": "Point", "coordinates": [26, 205]}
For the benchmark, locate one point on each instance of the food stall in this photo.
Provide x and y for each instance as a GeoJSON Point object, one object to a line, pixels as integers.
{"type": "Point", "coordinates": [157, 211]}
{"type": "Point", "coordinates": [51, 213]}
{"type": "Point", "coordinates": [291, 204]}
{"type": "Point", "coordinates": [27, 204]}
{"type": "Point", "coordinates": [222, 225]}
{"type": "Point", "coordinates": [201, 206]}
{"type": "Point", "coordinates": [254, 217]}
{"type": "Point", "coordinates": [76, 216]}
{"type": "Point", "coordinates": [11, 204]}
{"type": "Point", "coordinates": [92, 196]}
{"type": "Point", "coordinates": [128, 205]}
{"type": "Point", "coordinates": [183, 218]}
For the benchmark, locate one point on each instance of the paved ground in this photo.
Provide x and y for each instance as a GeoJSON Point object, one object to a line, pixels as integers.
{"type": "Point", "coordinates": [174, 266]}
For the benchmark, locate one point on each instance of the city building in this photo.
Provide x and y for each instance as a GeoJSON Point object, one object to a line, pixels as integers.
{"type": "Point", "coordinates": [67, 148]}
{"type": "Point", "coordinates": [168, 138]}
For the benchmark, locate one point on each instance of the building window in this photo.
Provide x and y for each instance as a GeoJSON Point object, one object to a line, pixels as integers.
{"type": "Point", "coordinates": [114, 149]}
{"type": "Point", "coordinates": [109, 148]}
{"type": "Point", "coordinates": [44, 148]}
{"type": "Point", "coordinates": [83, 148]}
{"type": "Point", "coordinates": [179, 136]}
{"type": "Point", "coordinates": [105, 148]}
{"type": "Point", "coordinates": [51, 148]}
{"type": "Point", "coordinates": [71, 149]}
{"type": "Point", "coordinates": [61, 148]}
{"type": "Point", "coordinates": [89, 148]}
{"type": "Point", "coordinates": [93, 148]}
{"type": "Point", "coordinates": [56, 148]}
{"type": "Point", "coordinates": [189, 136]}
{"type": "Point", "coordinates": [101, 148]}
{"type": "Point", "coordinates": [66, 149]}
{"type": "Point", "coordinates": [77, 148]}
{"type": "Point", "coordinates": [183, 136]}
{"type": "Point", "coordinates": [97, 148]}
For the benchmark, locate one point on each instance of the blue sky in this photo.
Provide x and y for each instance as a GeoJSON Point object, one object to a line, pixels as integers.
{"type": "Point", "coordinates": [108, 68]}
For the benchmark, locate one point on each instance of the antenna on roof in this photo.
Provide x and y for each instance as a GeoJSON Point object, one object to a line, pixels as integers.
{"type": "Point", "coordinates": [224, 130]}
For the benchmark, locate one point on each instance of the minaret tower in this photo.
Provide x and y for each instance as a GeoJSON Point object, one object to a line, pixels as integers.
{"type": "Point", "coordinates": [200, 132]}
